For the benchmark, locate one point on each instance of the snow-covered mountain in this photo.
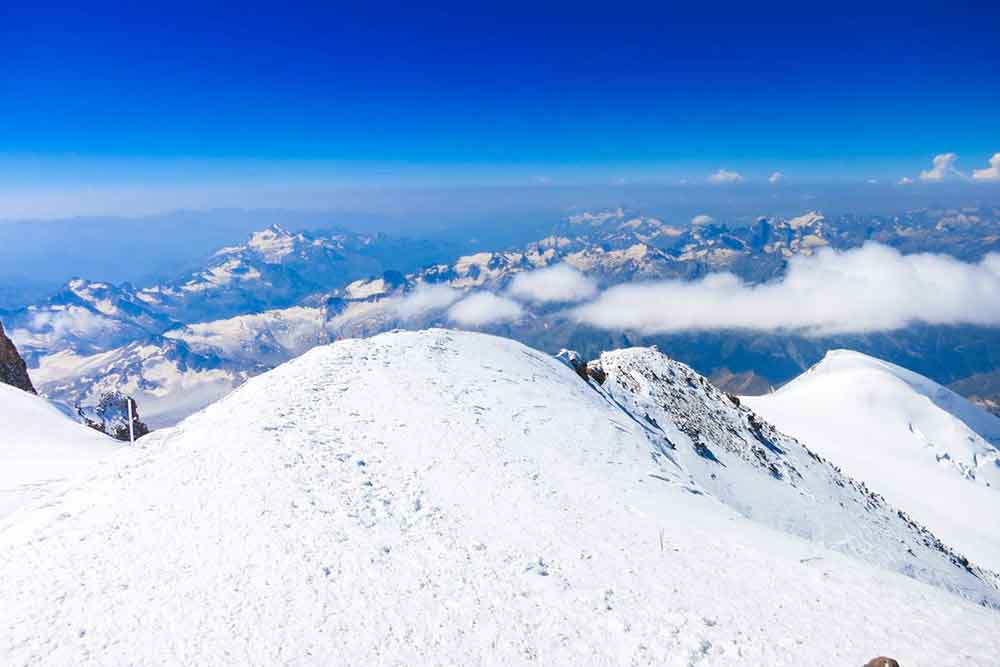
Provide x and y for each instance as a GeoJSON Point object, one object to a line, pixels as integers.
{"type": "Point", "coordinates": [276, 268]}
{"type": "Point", "coordinates": [41, 448]}
{"type": "Point", "coordinates": [254, 305]}
{"type": "Point", "coordinates": [917, 443]}
{"type": "Point", "coordinates": [260, 340]}
{"type": "Point", "coordinates": [84, 317]}
{"type": "Point", "coordinates": [167, 379]}
{"type": "Point", "coordinates": [489, 502]}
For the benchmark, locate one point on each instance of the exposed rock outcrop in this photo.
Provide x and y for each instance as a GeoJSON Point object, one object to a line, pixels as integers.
{"type": "Point", "coordinates": [111, 416]}
{"type": "Point", "coordinates": [882, 661]}
{"type": "Point", "coordinates": [13, 370]}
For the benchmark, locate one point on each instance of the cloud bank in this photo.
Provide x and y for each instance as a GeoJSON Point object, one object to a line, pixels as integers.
{"type": "Point", "coordinates": [425, 299]}
{"type": "Point", "coordinates": [991, 173]}
{"type": "Point", "coordinates": [867, 289]}
{"type": "Point", "coordinates": [944, 165]}
{"type": "Point", "coordinates": [702, 219]}
{"type": "Point", "coordinates": [484, 308]}
{"type": "Point", "coordinates": [559, 283]}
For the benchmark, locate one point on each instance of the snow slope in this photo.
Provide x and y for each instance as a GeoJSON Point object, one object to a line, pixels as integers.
{"type": "Point", "coordinates": [922, 446]}
{"type": "Point", "coordinates": [40, 447]}
{"type": "Point", "coordinates": [439, 498]}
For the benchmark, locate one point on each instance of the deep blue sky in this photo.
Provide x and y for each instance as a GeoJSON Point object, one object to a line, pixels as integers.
{"type": "Point", "coordinates": [115, 98]}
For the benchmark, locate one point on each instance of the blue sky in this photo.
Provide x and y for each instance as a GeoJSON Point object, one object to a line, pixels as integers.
{"type": "Point", "coordinates": [193, 99]}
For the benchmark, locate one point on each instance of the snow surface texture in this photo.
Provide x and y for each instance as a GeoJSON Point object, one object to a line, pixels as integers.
{"type": "Point", "coordinates": [41, 448]}
{"type": "Point", "coordinates": [439, 498]}
{"type": "Point", "coordinates": [922, 446]}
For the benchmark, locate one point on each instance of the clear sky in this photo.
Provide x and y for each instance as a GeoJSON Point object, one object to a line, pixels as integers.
{"type": "Point", "coordinates": [220, 100]}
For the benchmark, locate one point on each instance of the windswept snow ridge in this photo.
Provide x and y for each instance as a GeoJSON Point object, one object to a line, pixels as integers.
{"type": "Point", "coordinates": [442, 497]}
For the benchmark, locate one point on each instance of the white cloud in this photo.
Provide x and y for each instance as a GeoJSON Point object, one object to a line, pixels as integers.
{"type": "Point", "coordinates": [725, 176]}
{"type": "Point", "coordinates": [991, 173]}
{"type": "Point", "coordinates": [872, 288]}
{"type": "Point", "coordinates": [559, 283]}
{"type": "Point", "coordinates": [944, 165]}
{"type": "Point", "coordinates": [905, 180]}
{"type": "Point", "coordinates": [702, 219]}
{"type": "Point", "coordinates": [484, 308]}
{"type": "Point", "coordinates": [776, 177]}
{"type": "Point", "coordinates": [872, 181]}
{"type": "Point", "coordinates": [425, 299]}
{"type": "Point", "coordinates": [72, 321]}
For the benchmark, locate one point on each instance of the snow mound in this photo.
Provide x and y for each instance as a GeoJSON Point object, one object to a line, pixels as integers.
{"type": "Point", "coordinates": [922, 446]}
{"type": "Point", "coordinates": [438, 497]}
{"type": "Point", "coordinates": [40, 448]}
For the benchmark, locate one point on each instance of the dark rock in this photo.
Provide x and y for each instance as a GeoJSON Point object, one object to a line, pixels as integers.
{"type": "Point", "coordinates": [110, 416]}
{"type": "Point", "coordinates": [597, 373]}
{"type": "Point", "coordinates": [13, 370]}
{"type": "Point", "coordinates": [573, 360]}
{"type": "Point", "coordinates": [881, 661]}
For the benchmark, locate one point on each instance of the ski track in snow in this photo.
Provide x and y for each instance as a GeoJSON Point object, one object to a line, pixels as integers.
{"type": "Point", "coordinates": [436, 498]}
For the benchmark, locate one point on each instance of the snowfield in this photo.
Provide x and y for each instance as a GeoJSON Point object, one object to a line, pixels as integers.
{"type": "Point", "coordinates": [440, 497]}
{"type": "Point", "coordinates": [923, 447]}
{"type": "Point", "coordinates": [41, 448]}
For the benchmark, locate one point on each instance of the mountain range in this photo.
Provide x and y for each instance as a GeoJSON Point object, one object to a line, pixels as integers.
{"type": "Point", "coordinates": [179, 345]}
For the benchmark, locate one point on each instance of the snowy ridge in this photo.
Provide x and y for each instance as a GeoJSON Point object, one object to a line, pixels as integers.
{"type": "Point", "coordinates": [721, 447]}
{"type": "Point", "coordinates": [490, 503]}
{"type": "Point", "coordinates": [903, 435]}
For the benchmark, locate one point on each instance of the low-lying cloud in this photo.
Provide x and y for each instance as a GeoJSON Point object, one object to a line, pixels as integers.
{"type": "Point", "coordinates": [427, 299]}
{"type": "Point", "coordinates": [555, 284]}
{"type": "Point", "coordinates": [482, 308]}
{"type": "Point", "coordinates": [867, 289]}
